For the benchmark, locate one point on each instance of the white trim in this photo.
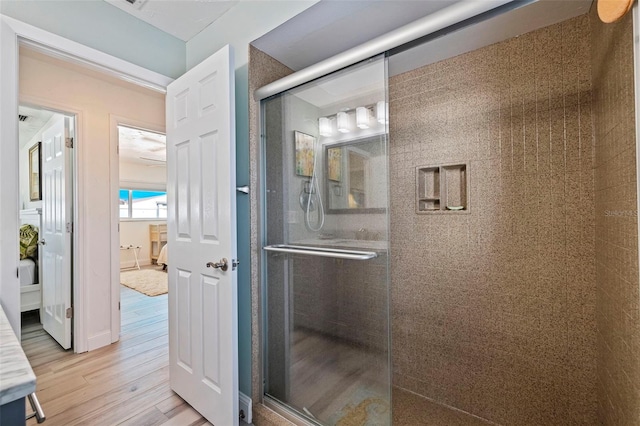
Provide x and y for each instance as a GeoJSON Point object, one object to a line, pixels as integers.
{"type": "Point", "coordinates": [9, 258]}
{"type": "Point", "coordinates": [79, 244]}
{"type": "Point", "coordinates": [114, 160]}
{"type": "Point", "coordinates": [99, 340]}
{"type": "Point", "coordinates": [12, 32]}
{"type": "Point", "coordinates": [636, 78]}
{"type": "Point", "coordinates": [245, 405]}
{"type": "Point", "coordinates": [131, 264]}
{"type": "Point", "coordinates": [137, 185]}
{"type": "Point", "coordinates": [71, 51]}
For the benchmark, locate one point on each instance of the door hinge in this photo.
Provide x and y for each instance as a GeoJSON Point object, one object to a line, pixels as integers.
{"type": "Point", "coordinates": [119, 306]}
{"type": "Point", "coordinates": [69, 227]}
{"type": "Point", "coordinates": [68, 142]}
{"type": "Point", "coordinates": [69, 313]}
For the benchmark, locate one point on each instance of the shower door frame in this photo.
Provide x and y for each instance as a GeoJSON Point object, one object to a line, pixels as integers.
{"type": "Point", "coordinates": [259, 395]}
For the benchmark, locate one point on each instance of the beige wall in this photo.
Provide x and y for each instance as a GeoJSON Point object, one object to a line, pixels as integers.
{"type": "Point", "coordinates": [136, 233]}
{"type": "Point", "coordinates": [25, 199]}
{"type": "Point", "coordinates": [494, 310]}
{"type": "Point", "coordinates": [140, 176]}
{"type": "Point", "coordinates": [618, 312]}
{"type": "Point", "coordinates": [96, 97]}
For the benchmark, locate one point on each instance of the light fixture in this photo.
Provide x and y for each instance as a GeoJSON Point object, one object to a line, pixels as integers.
{"type": "Point", "coordinates": [324, 125]}
{"type": "Point", "coordinates": [382, 113]}
{"type": "Point", "coordinates": [362, 117]}
{"type": "Point", "coordinates": [343, 122]}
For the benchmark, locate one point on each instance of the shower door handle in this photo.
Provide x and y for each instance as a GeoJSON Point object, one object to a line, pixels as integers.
{"type": "Point", "coordinates": [322, 252]}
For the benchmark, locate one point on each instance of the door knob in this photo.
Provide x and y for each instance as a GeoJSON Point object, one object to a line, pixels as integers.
{"type": "Point", "coordinates": [42, 242]}
{"type": "Point", "coordinates": [223, 264]}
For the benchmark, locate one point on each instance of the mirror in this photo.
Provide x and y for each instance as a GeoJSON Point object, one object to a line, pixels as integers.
{"type": "Point", "coordinates": [356, 176]}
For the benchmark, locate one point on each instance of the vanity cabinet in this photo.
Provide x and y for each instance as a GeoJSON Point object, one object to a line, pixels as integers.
{"type": "Point", "coordinates": [16, 376]}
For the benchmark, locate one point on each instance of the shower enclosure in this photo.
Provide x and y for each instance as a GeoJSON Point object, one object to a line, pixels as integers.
{"type": "Point", "coordinates": [326, 351]}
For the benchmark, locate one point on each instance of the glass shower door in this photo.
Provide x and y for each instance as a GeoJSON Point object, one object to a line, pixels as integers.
{"type": "Point", "coordinates": [325, 255]}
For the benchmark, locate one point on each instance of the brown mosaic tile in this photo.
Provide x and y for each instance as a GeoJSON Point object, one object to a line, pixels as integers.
{"type": "Point", "coordinates": [616, 251]}
{"type": "Point", "coordinates": [491, 328]}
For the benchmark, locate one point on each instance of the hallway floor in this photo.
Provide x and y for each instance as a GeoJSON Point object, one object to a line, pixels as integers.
{"type": "Point", "coordinates": [126, 383]}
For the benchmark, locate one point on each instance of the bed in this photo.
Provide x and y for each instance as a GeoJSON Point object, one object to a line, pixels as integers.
{"type": "Point", "coordinates": [162, 257]}
{"type": "Point", "coordinates": [30, 283]}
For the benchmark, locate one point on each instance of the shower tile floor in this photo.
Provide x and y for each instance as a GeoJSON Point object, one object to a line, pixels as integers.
{"type": "Point", "coordinates": [412, 409]}
{"type": "Point", "coordinates": [343, 385]}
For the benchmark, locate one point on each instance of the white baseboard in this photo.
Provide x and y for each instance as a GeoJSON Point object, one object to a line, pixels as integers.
{"type": "Point", "coordinates": [99, 340]}
{"type": "Point", "coordinates": [245, 406]}
{"type": "Point", "coordinates": [132, 263]}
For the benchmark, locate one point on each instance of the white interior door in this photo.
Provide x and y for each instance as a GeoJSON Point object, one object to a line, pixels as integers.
{"type": "Point", "coordinates": [55, 248]}
{"type": "Point", "coordinates": [201, 227]}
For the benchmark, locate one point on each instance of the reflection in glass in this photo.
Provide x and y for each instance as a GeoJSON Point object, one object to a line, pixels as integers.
{"type": "Point", "coordinates": [326, 320]}
{"type": "Point", "coordinates": [355, 171]}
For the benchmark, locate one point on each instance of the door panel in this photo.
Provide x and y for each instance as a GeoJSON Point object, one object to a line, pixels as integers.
{"type": "Point", "coordinates": [201, 229]}
{"type": "Point", "coordinates": [56, 248]}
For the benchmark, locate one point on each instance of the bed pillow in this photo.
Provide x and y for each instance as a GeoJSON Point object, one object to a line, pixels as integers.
{"type": "Point", "coordinates": [28, 242]}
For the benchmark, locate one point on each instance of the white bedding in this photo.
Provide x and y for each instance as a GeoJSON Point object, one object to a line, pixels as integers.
{"type": "Point", "coordinates": [28, 272]}
{"type": "Point", "coordinates": [162, 257]}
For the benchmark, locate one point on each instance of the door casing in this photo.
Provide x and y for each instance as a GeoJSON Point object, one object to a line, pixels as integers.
{"type": "Point", "coordinates": [12, 33]}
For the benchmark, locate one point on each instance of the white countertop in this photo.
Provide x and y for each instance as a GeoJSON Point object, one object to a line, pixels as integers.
{"type": "Point", "coordinates": [16, 376]}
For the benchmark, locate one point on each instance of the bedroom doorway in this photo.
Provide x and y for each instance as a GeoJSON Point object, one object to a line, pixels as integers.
{"type": "Point", "coordinates": [46, 204]}
{"type": "Point", "coordinates": [142, 212]}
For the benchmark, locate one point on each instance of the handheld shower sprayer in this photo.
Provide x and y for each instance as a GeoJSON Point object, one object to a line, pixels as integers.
{"type": "Point", "coordinates": [308, 199]}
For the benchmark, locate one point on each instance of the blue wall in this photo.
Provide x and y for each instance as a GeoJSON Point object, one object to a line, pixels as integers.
{"type": "Point", "coordinates": [106, 28]}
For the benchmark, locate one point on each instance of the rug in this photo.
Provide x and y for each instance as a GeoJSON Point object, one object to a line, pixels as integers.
{"type": "Point", "coordinates": [146, 281]}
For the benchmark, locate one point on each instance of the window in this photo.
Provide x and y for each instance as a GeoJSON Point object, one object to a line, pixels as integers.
{"type": "Point", "coordinates": [141, 204]}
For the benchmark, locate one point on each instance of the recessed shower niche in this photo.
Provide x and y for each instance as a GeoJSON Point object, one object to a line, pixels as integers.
{"type": "Point", "coordinates": [442, 189]}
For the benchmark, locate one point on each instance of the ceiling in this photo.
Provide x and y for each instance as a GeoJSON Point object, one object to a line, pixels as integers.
{"type": "Point", "coordinates": [36, 119]}
{"type": "Point", "coordinates": [135, 145]}
{"type": "Point", "coordinates": [182, 19]}
{"type": "Point", "coordinates": [142, 147]}
{"type": "Point", "coordinates": [332, 26]}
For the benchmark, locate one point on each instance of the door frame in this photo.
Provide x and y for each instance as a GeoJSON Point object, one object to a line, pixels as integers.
{"type": "Point", "coordinates": [12, 33]}
{"type": "Point", "coordinates": [78, 135]}
{"type": "Point", "coordinates": [114, 122]}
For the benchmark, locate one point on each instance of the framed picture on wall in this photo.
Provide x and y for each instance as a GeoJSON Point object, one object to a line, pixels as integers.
{"type": "Point", "coordinates": [35, 181]}
{"type": "Point", "coordinates": [304, 145]}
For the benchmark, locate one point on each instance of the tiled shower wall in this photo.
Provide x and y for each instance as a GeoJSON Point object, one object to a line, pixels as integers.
{"type": "Point", "coordinates": [494, 309]}
{"type": "Point", "coordinates": [618, 313]}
